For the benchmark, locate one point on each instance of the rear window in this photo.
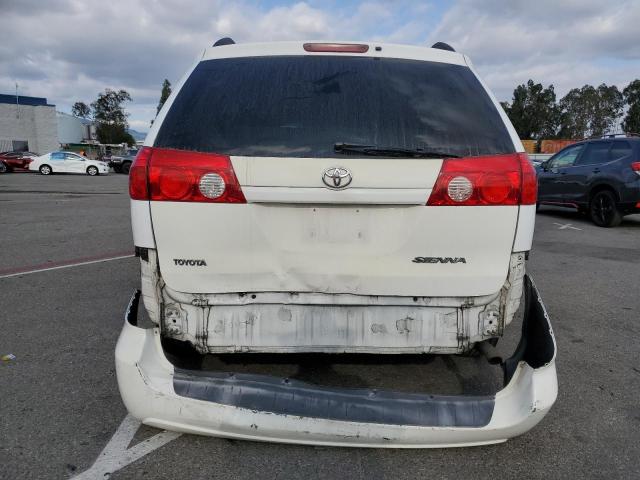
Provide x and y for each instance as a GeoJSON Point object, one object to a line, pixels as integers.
{"type": "Point", "coordinates": [595, 153]}
{"type": "Point", "coordinates": [620, 150]}
{"type": "Point", "coordinates": [300, 106]}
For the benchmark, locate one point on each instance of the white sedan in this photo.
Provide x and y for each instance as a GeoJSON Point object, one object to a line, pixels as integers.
{"type": "Point", "coordinates": [67, 162]}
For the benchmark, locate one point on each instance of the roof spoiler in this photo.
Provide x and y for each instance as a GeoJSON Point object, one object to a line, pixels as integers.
{"type": "Point", "coordinates": [443, 46]}
{"type": "Point", "coordinates": [224, 41]}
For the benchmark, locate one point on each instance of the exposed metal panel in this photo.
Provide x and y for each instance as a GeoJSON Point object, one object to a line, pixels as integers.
{"type": "Point", "coordinates": [314, 322]}
{"type": "Point", "coordinates": [145, 379]}
{"type": "Point", "coordinates": [330, 328]}
{"type": "Point", "coordinates": [301, 298]}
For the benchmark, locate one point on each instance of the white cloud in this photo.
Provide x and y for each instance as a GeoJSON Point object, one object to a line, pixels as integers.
{"type": "Point", "coordinates": [564, 42]}
{"type": "Point", "coordinates": [69, 50]}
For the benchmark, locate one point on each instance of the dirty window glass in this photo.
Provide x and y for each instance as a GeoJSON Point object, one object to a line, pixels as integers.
{"type": "Point", "coordinates": [596, 153]}
{"type": "Point", "coordinates": [619, 150]}
{"type": "Point", "coordinates": [566, 158]}
{"type": "Point", "coordinates": [300, 106]}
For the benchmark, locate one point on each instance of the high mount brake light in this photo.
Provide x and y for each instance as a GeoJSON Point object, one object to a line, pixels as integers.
{"type": "Point", "coordinates": [488, 180]}
{"type": "Point", "coordinates": [161, 174]}
{"type": "Point", "coordinates": [336, 47]}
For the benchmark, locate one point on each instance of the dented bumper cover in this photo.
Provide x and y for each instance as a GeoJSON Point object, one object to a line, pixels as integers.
{"type": "Point", "coordinates": [259, 407]}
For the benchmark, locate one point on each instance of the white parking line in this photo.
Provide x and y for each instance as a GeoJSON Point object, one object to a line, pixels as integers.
{"type": "Point", "coordinates": [67, 265]}
{"type": "Point", "coordinates": [116, 455]}
{"type": "Point", "coordinates": [565, 226]}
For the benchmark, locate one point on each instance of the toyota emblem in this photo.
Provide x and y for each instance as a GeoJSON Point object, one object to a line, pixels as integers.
{"type": "Point", "coordinates": [337, 177]}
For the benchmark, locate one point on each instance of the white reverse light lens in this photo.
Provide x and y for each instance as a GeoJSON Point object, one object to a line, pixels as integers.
{"type": "Point", "coordinates": [460, 189]}
{"type": "Point", "coordinates": [212, 185]}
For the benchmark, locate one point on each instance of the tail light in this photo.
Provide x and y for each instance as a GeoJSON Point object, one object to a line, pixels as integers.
{"type": "Point", "coordinates": [181, 176]}
{"type": "Point", "coordinates": [138, 185]}
{"type": "Point", "coordinates": [487, 180]}
{"type": "Point", "coordinates": [635, 166]}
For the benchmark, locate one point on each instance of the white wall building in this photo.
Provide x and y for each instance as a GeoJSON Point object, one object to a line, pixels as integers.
{"type": "Point", "coordinates": [27, 123]}
{"type": "Point", "coordinates": [74, 129]}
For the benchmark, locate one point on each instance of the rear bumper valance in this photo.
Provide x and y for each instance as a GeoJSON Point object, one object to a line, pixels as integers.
{"type": "Point", "coordinates": [267, 408]}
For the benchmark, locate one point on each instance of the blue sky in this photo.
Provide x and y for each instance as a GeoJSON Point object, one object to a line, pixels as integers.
{"type": "Point", "coordinates": [69, 50]}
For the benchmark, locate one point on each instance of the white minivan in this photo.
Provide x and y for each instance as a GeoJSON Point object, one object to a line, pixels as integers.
{"type": "Point", "coordinates": [300, 197]}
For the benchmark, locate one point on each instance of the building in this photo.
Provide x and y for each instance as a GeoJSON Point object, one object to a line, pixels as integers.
{"type": "Point", "coordinates": [74, 129]}
{"type": "Point", "coordinates": [27, 123]}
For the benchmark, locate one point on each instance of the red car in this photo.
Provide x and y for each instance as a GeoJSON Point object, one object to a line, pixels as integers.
{"type": "Point", "coordinates": [9, 161]}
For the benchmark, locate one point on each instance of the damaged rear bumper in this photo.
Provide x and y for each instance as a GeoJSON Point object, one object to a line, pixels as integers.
{"type": "Point", "coordinates": [259, 407]}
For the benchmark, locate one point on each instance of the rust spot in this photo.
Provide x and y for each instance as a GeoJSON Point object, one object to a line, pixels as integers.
{"type": "Point", "coordinates": [378, 328]}
{"type": "Point", "coordinates": [404, 325]}
{"type": "Point", "coordinates": [219, 328]}
{"type": "Point", "coordinates": [284, 314]}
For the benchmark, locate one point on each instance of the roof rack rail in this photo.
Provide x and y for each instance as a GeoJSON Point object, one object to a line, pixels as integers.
{"type": "Point", "coordinates": [615, 135]}
{"type": "Point", "coordinates": [443, 46]}
{"type": "Point", "coordinates": [224, 41]}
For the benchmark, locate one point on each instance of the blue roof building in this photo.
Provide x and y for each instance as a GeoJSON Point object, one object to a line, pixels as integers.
{"type": "Point", "coordinates": [27, 123]}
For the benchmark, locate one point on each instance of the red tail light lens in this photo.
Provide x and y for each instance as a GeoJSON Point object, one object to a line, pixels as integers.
{"type": "Point", "coordinates": [635, 166]}
{"type": "Point", "coordinates": [183, 176]}
{"type": "Point", "coordinates": [138, 187]}
{"type": "Point", "coordinates": [529, 189]}
{"type": "Point", "coordinates": [487, 180]}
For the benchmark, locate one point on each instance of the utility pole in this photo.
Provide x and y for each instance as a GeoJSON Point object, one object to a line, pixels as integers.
{"type": "Point", "coordinates": [17, 103]}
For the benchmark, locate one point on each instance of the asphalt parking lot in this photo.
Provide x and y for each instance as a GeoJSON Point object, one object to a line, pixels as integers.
{"type": "Point", "coordinates": [60, 405]}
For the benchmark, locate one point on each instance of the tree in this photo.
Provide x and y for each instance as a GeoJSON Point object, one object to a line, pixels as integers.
{"type": "Point", "coordinates": [81, 109]}
{"type": "Point", "coordinates": [590, 111]}
{"type": "Point", "coordinates": [111, 118]}
{"type": "Point", "coordinates": [631, 95]}
{"type": "Point", "coordinates": [576, 107]}
{"type": "Point", "coordinates": [110, 134]}
{"type": "Point", "coordinates": [533, 110]}
{"type": "Point", "coordinates": [164, 94]}
{"type": "Point", "coordinates": [608, 107]}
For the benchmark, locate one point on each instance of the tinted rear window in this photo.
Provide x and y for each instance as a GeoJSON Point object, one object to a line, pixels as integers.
{"type": "Point", "coordinates": [300, 106]}
{"type": "Point", "coordinates": [620, 150]}
{"type": "Point", "coordinates": [595, 153]}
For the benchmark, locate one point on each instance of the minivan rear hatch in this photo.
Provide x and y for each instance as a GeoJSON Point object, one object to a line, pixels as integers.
{"type": "Point", "coordinates": [278, 121]}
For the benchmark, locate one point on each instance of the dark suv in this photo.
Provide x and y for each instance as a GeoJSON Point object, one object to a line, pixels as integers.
{"type": "Point", "coordinates": [600, 177]}
{"type": "Point", "coordinates": [122, 163]}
